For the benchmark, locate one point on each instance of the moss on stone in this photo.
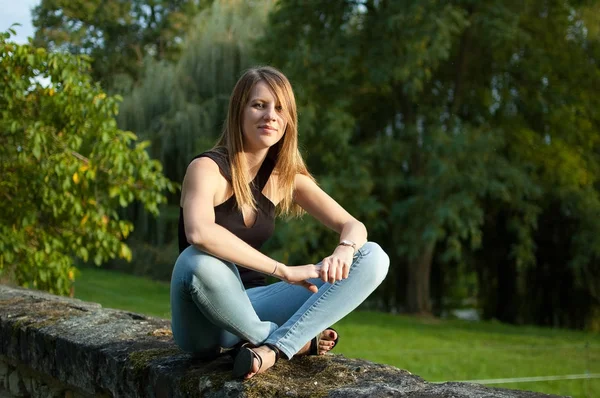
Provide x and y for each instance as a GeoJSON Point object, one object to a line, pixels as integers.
{"type": "Point", "coordinates": [309, 377]}
{"type": "Point", "coordinates": [46, 322]}
{"type": "Point", "coordinates": [140, 360]}
{"type": "Point", "coordinates": [190, 384]}
{"type": "Point", "coordinates": [43, 318]}
{"type": "Point", "coordinates": [45, 315]}
{"type": "Point", "coordinates": [218, 379]}
{"type": "Point", "coordinates": [207, 374]}
{"type": "Point", "coordinates": [11, 301]}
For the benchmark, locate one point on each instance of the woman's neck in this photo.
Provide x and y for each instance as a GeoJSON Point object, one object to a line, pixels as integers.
{"type": "Point", "coordinates": [254, 160]}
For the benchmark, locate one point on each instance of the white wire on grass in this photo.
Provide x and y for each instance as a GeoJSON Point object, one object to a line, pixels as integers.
{"type": "Point", "coordinates": [529, 379]}
{"type": "Point", "coordinates": [573, 346]}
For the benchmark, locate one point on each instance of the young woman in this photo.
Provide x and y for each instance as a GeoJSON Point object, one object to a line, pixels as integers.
{"type": "Point", "coordinates": [219, 298]}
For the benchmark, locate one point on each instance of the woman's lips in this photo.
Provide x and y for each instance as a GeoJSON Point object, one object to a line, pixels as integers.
{"type": "Point", "coordinates": [268, 129]}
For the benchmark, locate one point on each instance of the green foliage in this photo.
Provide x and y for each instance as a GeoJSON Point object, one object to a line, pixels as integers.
{"type": "Point", "coordinates": [117, 34]}
{"type": "Point", "coordinates": [180, 108]}
{"type": "Point", "coordinates": [461, 125]}
{"type": "Point", "coordinates": [66, 169]}
{"type": "Point", "coordinates": [463, 134]}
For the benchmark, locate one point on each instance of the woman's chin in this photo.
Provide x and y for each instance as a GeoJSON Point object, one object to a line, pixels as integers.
{"type": "Point", "coordinates": [262, 143]}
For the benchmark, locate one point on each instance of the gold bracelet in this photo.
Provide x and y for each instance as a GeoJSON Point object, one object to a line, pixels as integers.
{"type": "Point", "coordinates": [275, 270]}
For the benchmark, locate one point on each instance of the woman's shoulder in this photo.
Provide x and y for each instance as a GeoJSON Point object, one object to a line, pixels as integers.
{"type": "Point", "coordinates": [217, 154]}
{"type": "Point", "coordinates": [215, 160]}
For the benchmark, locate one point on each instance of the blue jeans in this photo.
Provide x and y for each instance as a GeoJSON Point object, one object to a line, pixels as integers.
{"type": "Point", "coordinates": [211, 310]}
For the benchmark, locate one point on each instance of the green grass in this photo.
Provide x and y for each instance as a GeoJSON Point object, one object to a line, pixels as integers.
{"type": "Point", "coordinates": [437, 350]}
{"type": "Point", "coordinates": [123, 291]}
{"type": "Point", "coordinates": [460, 350]}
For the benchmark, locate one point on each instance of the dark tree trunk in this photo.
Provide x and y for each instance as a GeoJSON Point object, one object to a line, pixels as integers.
{"type": "Point", "coordinates": [418, 299]}
{"type": "Point", "coordinates": [489, 261]}
{"type": "Point", "coordinates": [507, 296]}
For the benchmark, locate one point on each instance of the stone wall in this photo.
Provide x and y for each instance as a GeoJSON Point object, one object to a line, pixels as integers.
{"type": "Point", "coordinates": [59, 347]}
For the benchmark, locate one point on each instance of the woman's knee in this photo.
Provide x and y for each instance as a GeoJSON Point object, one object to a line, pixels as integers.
{"type": "Point", "coordinates": [377, 259]}
{"type": "Point", "coordinates": [205, 269]}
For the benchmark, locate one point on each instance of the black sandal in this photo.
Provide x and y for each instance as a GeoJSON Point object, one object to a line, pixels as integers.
{"type": "Point", "coordinates": [245, 358]}
{"type": "Point", "coordinates": [235, 350]}
{"type": "Point", "coordinates": [314, 343]}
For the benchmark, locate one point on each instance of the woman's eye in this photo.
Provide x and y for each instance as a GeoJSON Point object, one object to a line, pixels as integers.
{"type": "Point", "coordinates": [259, 105]}
{"type": "Point", "coordinates": [279, 108]}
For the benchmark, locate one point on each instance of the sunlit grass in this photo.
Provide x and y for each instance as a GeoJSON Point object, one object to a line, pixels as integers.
{"type": "Point", "coordinates": [123, 291]}
{"type": "Point", "coordinates": [461, 350]}
{"type": "Point", "coordinates": [437, 350]}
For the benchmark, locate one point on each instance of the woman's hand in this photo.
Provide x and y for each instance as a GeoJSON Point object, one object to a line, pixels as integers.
{"type": "Point", "coordinates": [299, 275]}
{"type": "Point", "coordinates": [337, 266]}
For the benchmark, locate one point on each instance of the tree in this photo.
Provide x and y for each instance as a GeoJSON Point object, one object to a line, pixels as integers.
{"type": "Point", "coordinates": [373, 63]}
{"type": "Point", "coordinates": [549, 113]}
{"type": "Point", "coordinates": [117, 34]}
{"type": "Point", "coordinates": [180, 108]}
{"type": "Point", "coordinates": [66, 169]}
{"type": "Point", "coordinates": [459, 121]}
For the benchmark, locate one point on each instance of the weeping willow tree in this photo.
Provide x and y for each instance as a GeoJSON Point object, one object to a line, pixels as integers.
{"type": "Point", "coordinates": [180, 108]}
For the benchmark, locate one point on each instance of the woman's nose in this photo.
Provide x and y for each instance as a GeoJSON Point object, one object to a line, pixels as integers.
{"type": "Point", "coordinates": [270, 114]}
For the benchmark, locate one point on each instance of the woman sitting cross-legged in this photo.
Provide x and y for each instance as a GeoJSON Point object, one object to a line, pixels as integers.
{"type": "Point", "coordinates": [230, 194]}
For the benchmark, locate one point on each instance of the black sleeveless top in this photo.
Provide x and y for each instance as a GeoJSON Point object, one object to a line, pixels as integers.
{"type": "Point", "coordinates": [231, 218]}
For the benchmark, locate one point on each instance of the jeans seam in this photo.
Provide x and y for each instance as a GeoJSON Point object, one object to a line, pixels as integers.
{"type": "Point", "coordinates": [214, 310]}
{"type": "Point", "coordinates": [319, 300]}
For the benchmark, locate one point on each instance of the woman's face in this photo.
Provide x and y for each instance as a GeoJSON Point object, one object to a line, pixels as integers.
{"type": "Point", "coordinates": [263, 122]}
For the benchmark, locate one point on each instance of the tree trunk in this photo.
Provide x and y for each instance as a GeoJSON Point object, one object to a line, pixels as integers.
{"type": "Point", "coordinates": [418, 299]}
{"type": "Point", "coordinates": [507, 304]}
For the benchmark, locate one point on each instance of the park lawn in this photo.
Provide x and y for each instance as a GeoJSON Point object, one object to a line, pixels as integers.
{"type": "Point", "coordinates": [453, 350]}
{"type": "Point", "coordinates": [126, 292]}
{"type": "Point", "coordinates": [437, 350]}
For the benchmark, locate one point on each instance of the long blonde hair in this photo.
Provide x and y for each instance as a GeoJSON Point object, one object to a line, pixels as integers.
{"type": "Point", "coordinates": [288, 161]}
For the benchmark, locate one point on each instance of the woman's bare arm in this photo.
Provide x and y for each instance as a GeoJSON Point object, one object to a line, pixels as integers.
{"type": "Point", "coordinates": [325, 209]}
{"type": "Point", "coordinates": [199, 188]}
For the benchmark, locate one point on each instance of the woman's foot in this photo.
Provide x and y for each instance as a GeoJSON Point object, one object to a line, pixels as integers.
{"type": "Point", "coordinates": [326, 341]}
{"type": "Point", "coordinates": [262, 358]}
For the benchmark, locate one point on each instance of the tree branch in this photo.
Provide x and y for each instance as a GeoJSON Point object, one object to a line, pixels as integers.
{"type": "Point", "coordinates": [79, 156]}
{"type": "Point", "coordinates": [461, 66]}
